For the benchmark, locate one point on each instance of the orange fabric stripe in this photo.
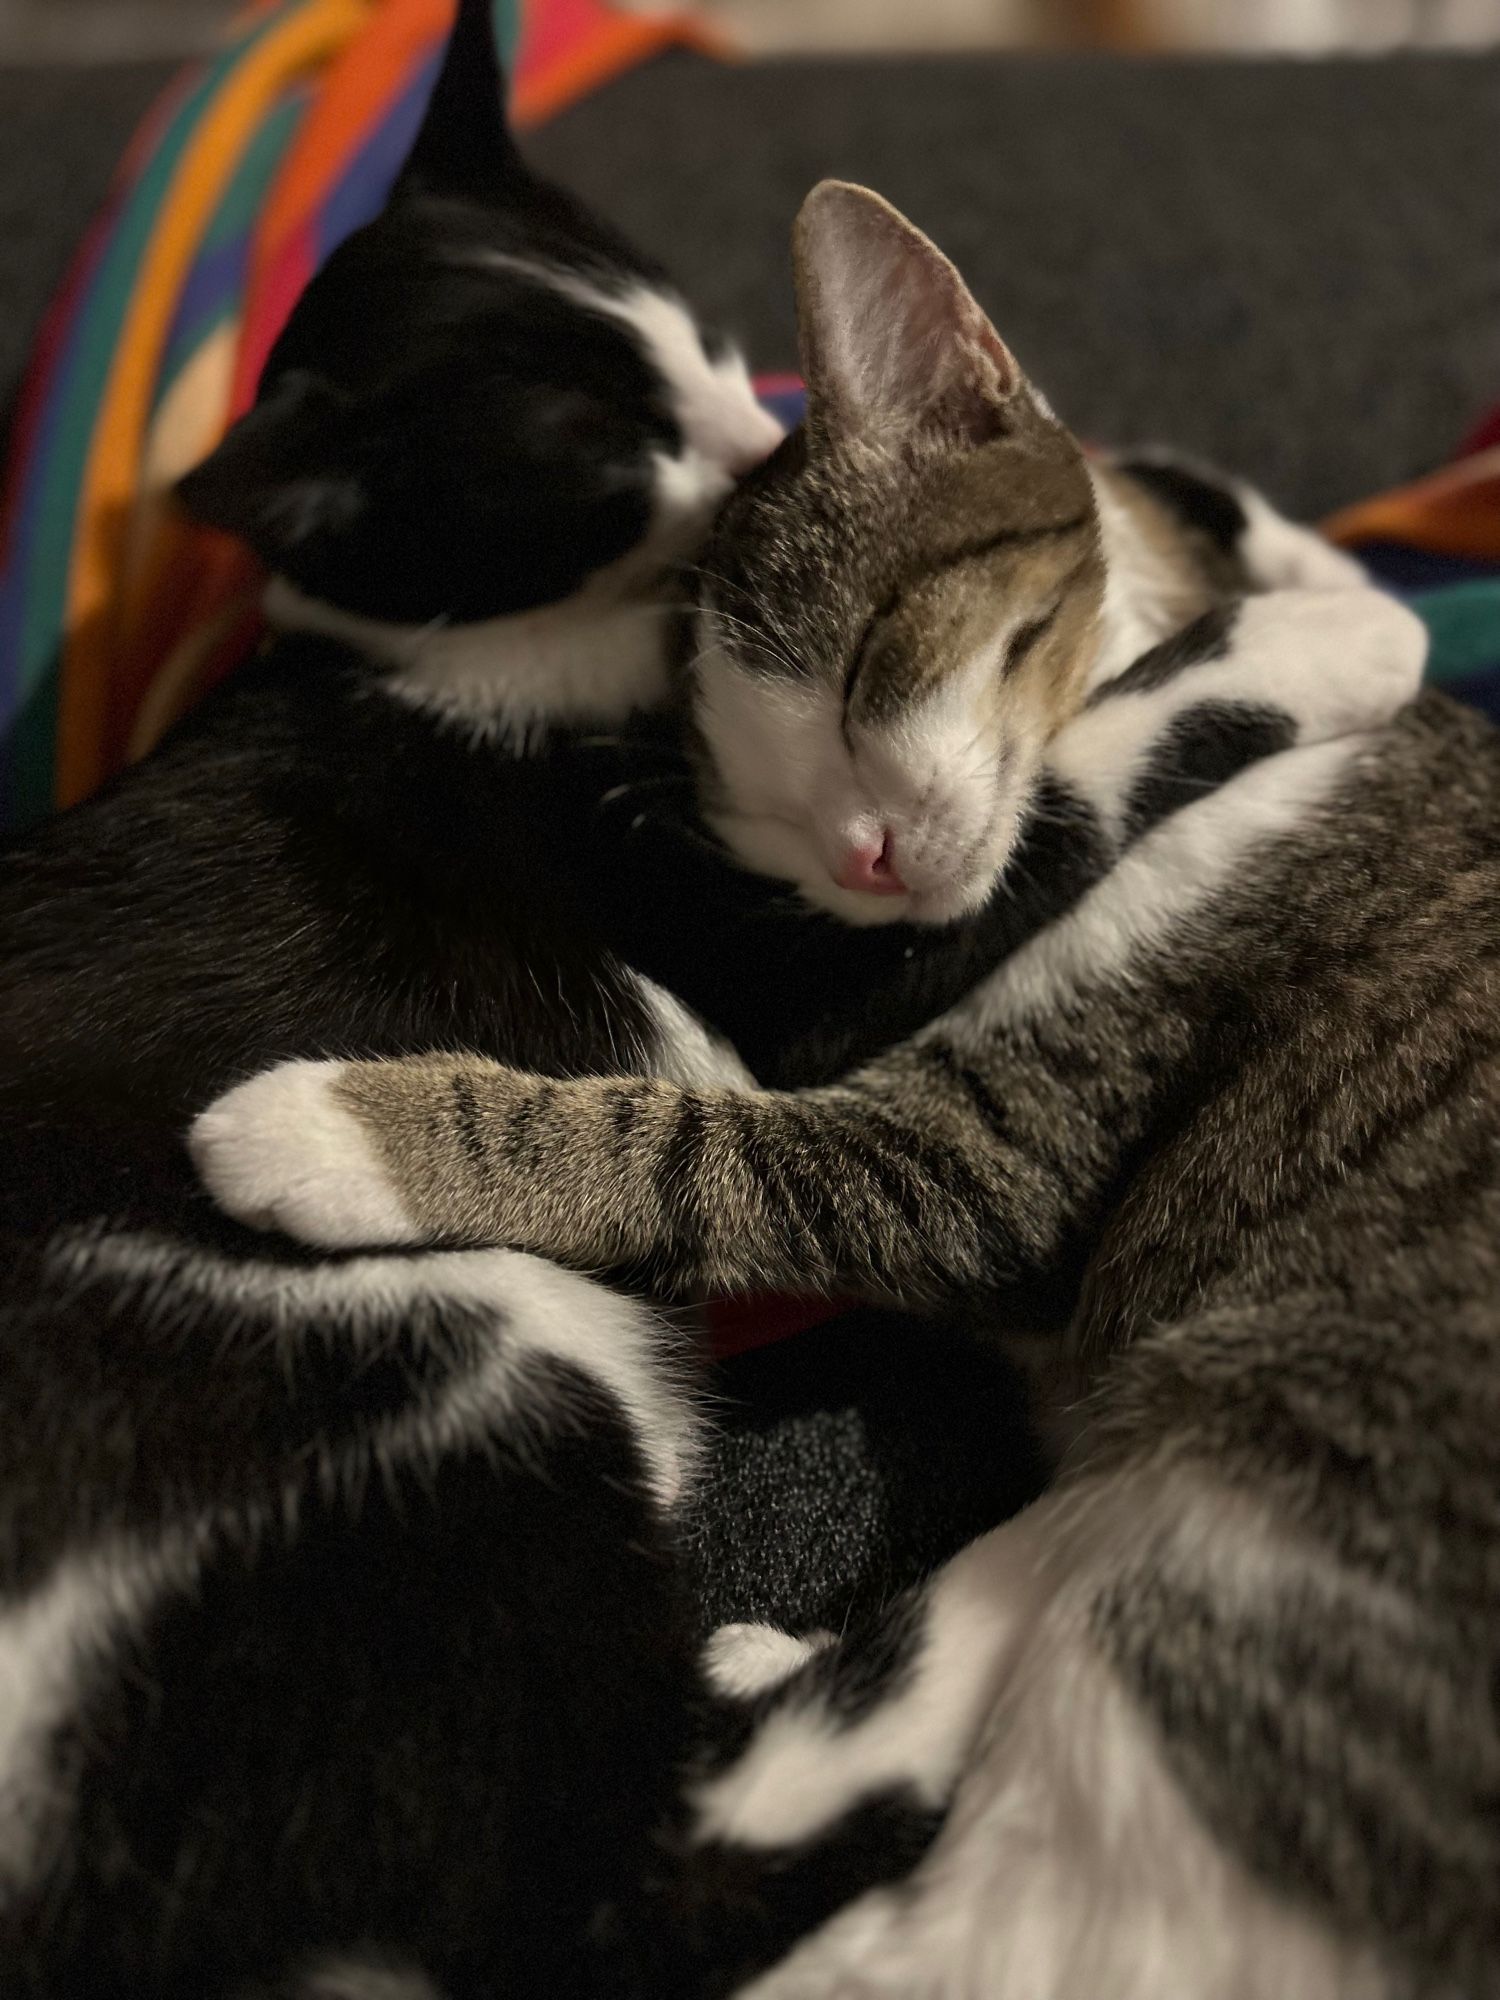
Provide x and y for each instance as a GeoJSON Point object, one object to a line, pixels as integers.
{"type": "Point", "coordinates": [1453, 512]}
{"type": "Point", "coordinates": [630, 39]}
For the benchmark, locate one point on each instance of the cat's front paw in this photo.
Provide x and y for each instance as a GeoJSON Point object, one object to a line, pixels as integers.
{"type": "Point", "coordinates": [281, 1152]}
{"type": "Point", "coordinates": [1339, 661]}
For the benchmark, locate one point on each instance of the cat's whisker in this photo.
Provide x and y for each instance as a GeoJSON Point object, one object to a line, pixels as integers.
{"type": "Point", "coordinates": [668, 780]}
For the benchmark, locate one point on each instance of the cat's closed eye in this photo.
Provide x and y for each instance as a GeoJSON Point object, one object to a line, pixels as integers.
{"type": "Point", "coordinates": [915, 612]}
{"type": "Point", "coordinates": [1026, 637]}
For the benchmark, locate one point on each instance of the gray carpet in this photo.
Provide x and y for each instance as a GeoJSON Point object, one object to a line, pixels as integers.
{"type": "Point", "coordinates": [1294, 268]}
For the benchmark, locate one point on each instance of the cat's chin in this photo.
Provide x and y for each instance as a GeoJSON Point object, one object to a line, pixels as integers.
{"type": "Point", "coordinates": [931, 907]}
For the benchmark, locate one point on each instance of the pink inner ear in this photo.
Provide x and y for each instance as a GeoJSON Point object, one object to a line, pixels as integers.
{"type": "Point", "coordinates": [898, 341]}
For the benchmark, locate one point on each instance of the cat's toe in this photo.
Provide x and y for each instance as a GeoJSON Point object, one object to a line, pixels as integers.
{"type": "Point", "coordinates": [282, 1153]}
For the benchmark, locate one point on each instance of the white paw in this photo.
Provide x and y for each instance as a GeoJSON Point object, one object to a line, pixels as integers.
{"type": "Point", "coordinates": [743, 1661]}
{"type": "Point", "coordinates": [280, 1152]}
{"type": "Point", "coordinates": [1338, 661]}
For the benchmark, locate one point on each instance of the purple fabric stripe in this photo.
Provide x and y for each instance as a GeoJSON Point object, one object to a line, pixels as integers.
{"type": "Point", "coordinates": [361, 192]}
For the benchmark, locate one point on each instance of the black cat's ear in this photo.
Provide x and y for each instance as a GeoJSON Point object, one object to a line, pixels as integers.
{"type": "Point", "coordinates": [893, 341]}
{"type": "Point", "coordinates": [464, 146]}
{"type": "Point", "coordinates": [277, 479]}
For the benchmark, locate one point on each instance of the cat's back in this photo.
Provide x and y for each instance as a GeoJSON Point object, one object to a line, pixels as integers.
{"type": "Point", "coordinates": [306, 866]}
{"type": "Point", "coordinates": [1339, 1130]}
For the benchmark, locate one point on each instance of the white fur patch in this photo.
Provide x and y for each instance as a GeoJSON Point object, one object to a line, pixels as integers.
{"type": "Point", "coordinates": [776, 744]}
{"type": "Point", "coordinates": [49, 1642]}
{"type": "Point", "coordinates": [1070, 1866]}
{"type": "Point", "coordinates": [688, 1052]}
{"type": "Point", "coordinates": [1171, 873]}
{"type": "Point", "coordinates": [596, 657]}
{"type": "Point", "coordinates": [797, 788]}
{"type": "Point", "coordinates": [541, 1312]}
{"type": "Point", "coordinates": [725, 428]}
{"type": "Point", "coordinates": [1143, 592]}
{"type": "Point", "coordinates": [1336, 662]}
{"type": "Point", "coordinates": [281, 1152]}
{"type": "Point", "coordinates": [1282, 555]}
{"type": "Point", "coordinates": [744, 1661]}
{"type": "Point", "coordinates": [357, 1977]}
{"type": "Point", "coordinates": [361, 1978]}
{"type": "Point", "coordinates": [1279, 554]}
{"type": "Point", "coordinates": [807, 1768]}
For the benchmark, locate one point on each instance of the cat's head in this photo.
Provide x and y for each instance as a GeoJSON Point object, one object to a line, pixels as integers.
{"type": "Point", "coordinates": [900, 609]}
{"type": "Point", "coordinates": [486, 398]}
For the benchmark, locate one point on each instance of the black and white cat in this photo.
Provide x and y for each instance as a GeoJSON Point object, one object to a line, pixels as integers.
{"type": "Point", "coordinates": [341, 1629]}
{"type": "Point", "coordinates": [273, 1535]}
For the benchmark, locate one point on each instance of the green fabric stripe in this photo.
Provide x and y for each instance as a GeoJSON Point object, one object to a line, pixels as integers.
{"type": "Point", "coordinates": [1464, 620]}
{"type": "Point", "coordinates": [508, 28]}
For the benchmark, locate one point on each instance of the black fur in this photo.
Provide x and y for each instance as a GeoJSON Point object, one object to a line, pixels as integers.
{"type": "Point", "coordinates": [1196, 499]}
{"type": "Point", "coordinates": [439, 434]}
{"type": "Point", "coordinates": [308, 868]}
{"type": "Point", "coordinates": [1207, 747]}
{"type": "Point", "coordinates": [866, 1670]}
{"type": "Point", "coordinates": [1205, 639]}
{"type": "Point", "coordinates": [371, 1709]}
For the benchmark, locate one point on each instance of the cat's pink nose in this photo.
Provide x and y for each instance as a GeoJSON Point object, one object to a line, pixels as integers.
{"type": "Point", "coordinates": [870, 868]}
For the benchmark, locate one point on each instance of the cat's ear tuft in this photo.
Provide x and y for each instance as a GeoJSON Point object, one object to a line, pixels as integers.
{"type": "Point", "coordinates": [464, 147]}
{"type": "Point", "coordinates": [893, 342]}
{"type": "Point", "coordinates": [276, 480]}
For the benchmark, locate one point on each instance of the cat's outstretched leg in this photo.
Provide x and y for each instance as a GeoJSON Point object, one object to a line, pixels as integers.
{"type": "Point", "coordinates": [953, 1164]}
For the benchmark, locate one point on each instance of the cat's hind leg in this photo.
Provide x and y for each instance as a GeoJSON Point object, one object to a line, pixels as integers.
{"type": "Point", "coordinates": [1072, 1865]}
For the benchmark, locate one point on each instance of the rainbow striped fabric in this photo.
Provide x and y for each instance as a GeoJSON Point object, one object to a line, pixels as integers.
{"type": "Point", "coordinates": [1437, 542]}
{"type": "Point", "coordinates": [115, 612]}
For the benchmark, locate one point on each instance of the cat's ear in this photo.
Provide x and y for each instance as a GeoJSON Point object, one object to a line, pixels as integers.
{"type": "Point", "coordinates": [464, 146]}
{"type": "Point", "coordinates": [893, 342]}
{"type": "Point", "coordinates": [280, 479]}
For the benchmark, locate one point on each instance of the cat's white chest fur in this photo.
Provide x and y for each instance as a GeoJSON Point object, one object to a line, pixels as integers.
{"type": "Point", "coordinates": [507, 679]}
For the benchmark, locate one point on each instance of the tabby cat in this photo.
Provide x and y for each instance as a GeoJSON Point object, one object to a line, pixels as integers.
{"type": "Point", "coordinates": [1217, 1716]}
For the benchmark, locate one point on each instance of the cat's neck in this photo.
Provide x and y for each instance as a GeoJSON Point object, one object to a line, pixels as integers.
{"type": "Point", "coordinates": [597, 657]}
{"type": "Point", "coordinates": [1152, 586]}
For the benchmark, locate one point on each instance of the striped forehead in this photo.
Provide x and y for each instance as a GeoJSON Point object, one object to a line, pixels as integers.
{"type": "Point", "coordinates": [993, 593]}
